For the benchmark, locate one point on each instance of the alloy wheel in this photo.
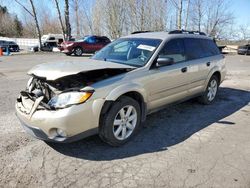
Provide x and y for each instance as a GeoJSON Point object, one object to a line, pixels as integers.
{"type": "Point", "coordinates": [212, 90]}
{"type": "Point", "coordinates": [125, 122]}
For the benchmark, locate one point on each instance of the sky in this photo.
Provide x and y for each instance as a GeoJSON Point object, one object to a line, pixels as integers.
{"type": "Point", "coordinates": [240, 8]}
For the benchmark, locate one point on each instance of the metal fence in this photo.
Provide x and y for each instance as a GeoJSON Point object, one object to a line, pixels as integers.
{"type": "Point", "coordinates": [22, 41]}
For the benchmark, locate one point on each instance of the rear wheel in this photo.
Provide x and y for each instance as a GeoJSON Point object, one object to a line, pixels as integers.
{"type": "Point", "coordinates": [121, 122]}
{"type": "Point", "coordinates": [211, 91]}
{"type": "Point", "coordinates": [78, 51]}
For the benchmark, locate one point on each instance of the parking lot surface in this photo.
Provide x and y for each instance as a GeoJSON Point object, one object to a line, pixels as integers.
{"type": "Point", "coordinates": [185, 145]}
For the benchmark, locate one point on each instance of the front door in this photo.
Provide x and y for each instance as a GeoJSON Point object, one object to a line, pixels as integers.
{"type": "Point", "coordinates": [169, 83]}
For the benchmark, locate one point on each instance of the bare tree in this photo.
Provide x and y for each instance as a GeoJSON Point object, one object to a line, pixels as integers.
{"type": "Point", "coordinates": [75, 5]}
{"type": "Point", "coordinates": [34, 15]}
{"type": "Point", "coordinates": [187, 14]}
{"type": "Point", "coordinates": [218, 17]}
{"type": "Point", "coordinates": [198, 11]}
{"type": "Point", "coordinates": [180, 8]}
{"type": "Point", "coordinates": [60, 17]}
{"type": "Point", "coordinates": [67, 21]}
{"type": "Point", "coordinates": [244, 31]}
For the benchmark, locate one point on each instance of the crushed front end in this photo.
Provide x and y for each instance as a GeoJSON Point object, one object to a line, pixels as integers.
{"type": "Point", "coordinates": [43, 112]}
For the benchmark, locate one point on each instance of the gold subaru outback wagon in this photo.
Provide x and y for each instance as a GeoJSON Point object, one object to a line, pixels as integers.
{"type": "Point", "coordinates": [112, 92]}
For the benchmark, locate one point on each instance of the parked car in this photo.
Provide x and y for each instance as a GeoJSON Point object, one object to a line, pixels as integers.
{"type": "Point", "coordinates": [244, 50]}
{"type": "Point", "coordinates": [34, 48]}
{"type": "Point", "coordinates": [112, 92]}
{"type": "Point", "coordinates": [13, 47]}
{"type": "Point", "coordinates": [47, 46]}
{"type": "Point", "coordinates": [3, 45]}
{"type": "Point", "coordinates": [88, 44]}
{"type": "Point", "coordinates": [52, 38]}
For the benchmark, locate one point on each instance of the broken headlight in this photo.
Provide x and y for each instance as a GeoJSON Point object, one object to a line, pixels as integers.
{"type": "Point", "coordinates": [70, 98]}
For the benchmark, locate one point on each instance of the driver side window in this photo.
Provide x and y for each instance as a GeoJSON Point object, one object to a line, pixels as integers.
{"type": "Point", "coordinates": [174, 49]}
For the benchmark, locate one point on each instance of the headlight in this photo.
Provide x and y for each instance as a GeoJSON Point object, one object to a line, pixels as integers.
{"type": "Point", "coordinates": [67, 99]}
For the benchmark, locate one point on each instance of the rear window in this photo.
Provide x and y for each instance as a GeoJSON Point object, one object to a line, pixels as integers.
{"type": "Point", "coordinates": [103, 39]}
{"type": "Point", "coordinates": [210, 47]}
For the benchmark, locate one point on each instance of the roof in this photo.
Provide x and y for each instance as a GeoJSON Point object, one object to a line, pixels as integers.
{"type": "Point", "coordinates": [164, 35]}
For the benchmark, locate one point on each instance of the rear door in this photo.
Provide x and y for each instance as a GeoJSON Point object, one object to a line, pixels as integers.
{"type": "Point", "coordinates": [100, 43]}
{"type": "Point", "coordinates": [201, 58]}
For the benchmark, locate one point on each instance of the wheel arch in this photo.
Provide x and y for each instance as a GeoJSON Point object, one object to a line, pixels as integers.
{"type": "Point", "coordinates": [215, 71]}
{"type": "Point", "coordinates": [78, 46]}
{"type": "Point", "coordinates": [136, 92]}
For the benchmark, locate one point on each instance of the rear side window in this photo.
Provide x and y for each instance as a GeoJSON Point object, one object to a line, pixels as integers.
{"type": "Point", "coordinates": [209, 47]}
{"type": "Point", "coordinates": [200, 48]}
{"type": "Point", "coordinates": [174, 49]}
{"type": "Point", "coordinates": [194, 49]}
{"type": "Point", "coordinates": [104, 40]}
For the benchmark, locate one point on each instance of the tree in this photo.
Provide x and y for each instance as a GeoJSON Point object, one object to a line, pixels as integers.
{"type": "Point", "coordinates": [180, 9]}
{"type": "Point", "coordinates": [60, 18]}
{"type": "Point", "coordinates": [18, 27]}
{"type": "Point", "coordinates": [10, 24]}
{"type": "Point", "coordinates": [76, 10]}
{"type": "Point", "coordinates": [244, 31]}
{"type": "Point", "coordinates": [198, 10]}
{"type": "Point", "coordinates": [218, 17]}
{"type": "Point", "coordinates": [34, 15]}
{"type": "Point", "coordinates": [67, 21]}
{"type": "Point", "coordinates": [187, 14]}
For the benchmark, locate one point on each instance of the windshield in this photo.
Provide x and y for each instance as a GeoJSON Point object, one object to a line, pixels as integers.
{"type": "Point", "coordinates": [130, 51]}
{"type": "Point", "coordinates": [82, 39]}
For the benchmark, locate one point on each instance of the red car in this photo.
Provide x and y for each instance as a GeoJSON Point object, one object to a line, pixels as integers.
{"type": "Point", "coordinates": [88, 44]}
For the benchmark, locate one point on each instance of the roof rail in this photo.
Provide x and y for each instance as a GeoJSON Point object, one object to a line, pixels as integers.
{"type": "Point", "coordinates": [136, 32]}
{"type": "Point", "coordinates": [186, 32]}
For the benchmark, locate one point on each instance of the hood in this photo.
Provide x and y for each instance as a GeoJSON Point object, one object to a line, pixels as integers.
{"type": "Point", "coordinates": [53, 71]}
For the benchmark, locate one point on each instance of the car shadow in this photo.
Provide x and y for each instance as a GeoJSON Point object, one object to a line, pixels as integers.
{"type": "Point", "coordinates": [163, 129]}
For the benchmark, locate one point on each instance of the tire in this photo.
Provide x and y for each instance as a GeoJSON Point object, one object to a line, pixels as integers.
{"type": "Point", "coordinates": [67, 54]}
{"type": "Point", "coordinates": [78, 51]}
{"type": "Point", "coordinates": [117, 134]}
{"type": "Point", "coordinates": [212, 88]}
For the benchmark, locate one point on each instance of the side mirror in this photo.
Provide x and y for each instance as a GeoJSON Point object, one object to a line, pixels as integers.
{"type": "Point", "coordinates": [164, 61]}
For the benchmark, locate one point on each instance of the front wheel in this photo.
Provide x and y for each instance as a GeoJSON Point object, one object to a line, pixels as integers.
{"type": "Point", "coordinates": [211, 91]}
{"type": "Point", "coordinates": [121, 122]}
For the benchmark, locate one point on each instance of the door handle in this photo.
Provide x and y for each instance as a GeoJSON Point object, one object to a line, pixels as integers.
{"type": "Point", "coordinates": [184, 69]}
{"type": "Point", "coordinates": [208, 64]}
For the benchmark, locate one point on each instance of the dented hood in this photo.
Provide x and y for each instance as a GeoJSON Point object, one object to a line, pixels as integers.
{"type": "Point", "coordinates": [53, 71]}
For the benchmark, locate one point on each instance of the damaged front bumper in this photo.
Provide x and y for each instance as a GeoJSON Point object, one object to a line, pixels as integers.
{"type": "Point", "coordinates": [64, 125]}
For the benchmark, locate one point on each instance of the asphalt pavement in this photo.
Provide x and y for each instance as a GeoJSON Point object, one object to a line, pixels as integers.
{"type": "Point", "coordinates": [185, 145]}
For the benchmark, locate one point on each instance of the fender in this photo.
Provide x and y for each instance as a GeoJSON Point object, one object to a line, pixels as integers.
{"type": "Point", "coordinates": [212, 71]}
{"type": "Point", "coordinates": [125, 88]}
